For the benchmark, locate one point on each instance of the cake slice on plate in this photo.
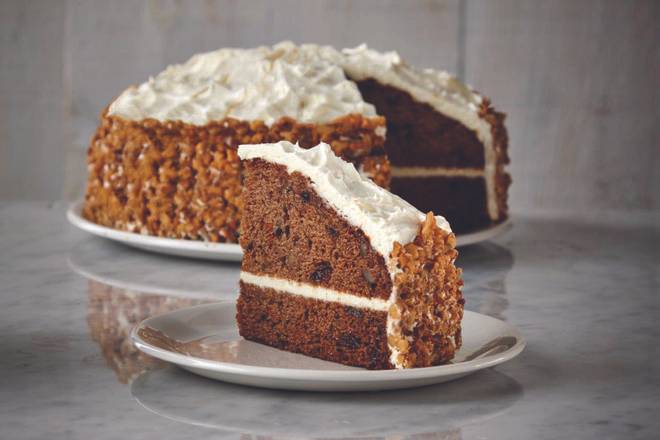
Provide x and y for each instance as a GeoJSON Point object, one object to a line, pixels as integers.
{"type": "Point", "coordinates": [338, 268]}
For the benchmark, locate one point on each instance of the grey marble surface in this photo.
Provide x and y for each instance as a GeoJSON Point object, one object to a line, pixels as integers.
{"type": "Point", "coordinates": [584, 290]}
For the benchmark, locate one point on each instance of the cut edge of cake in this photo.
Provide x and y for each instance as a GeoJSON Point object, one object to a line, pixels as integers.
{"type": "Point", "coordinates": [450, 97]}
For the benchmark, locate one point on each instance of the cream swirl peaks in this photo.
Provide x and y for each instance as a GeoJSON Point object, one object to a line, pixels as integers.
{"type": "Point", "coordinates": [307, 82]}
{"type": "Point", "coordinates": [265, 83]}
{"type": "Point", "coordinates": [383, 216]}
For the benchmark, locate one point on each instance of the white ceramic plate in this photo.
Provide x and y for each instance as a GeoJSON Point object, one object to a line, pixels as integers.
{"type": "Point", "coordinates": [204, 340]}
{"type": "Point", "coordinates": [214, 251]}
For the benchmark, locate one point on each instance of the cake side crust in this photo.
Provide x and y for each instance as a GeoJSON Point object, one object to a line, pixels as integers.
{"type": "Point", "coordinates": [178, 180]}
{"type": "Point", "coordinates": [501, 151]}
{"type": "Point", "coordinates": [424, 325]}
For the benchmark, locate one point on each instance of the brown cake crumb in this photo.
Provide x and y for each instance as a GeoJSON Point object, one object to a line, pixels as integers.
{"type": "Point", "coordinates": [321, 329]}
{"type": "Point", "coordinates": [420, 136]}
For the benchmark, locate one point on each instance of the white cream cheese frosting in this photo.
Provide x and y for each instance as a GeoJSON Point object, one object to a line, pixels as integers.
{"type": "Point", "coordinates": [264, 83]}
{"type": "Point", "coordinates": [403, 172]}
{"type": "Point", "coordinates": [315, 292]}
{"type": "Point", "coordinates": [381, 215]}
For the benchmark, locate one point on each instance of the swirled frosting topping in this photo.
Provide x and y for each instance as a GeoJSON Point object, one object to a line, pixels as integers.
{"type": "Point", "coordinates": [265, 83]}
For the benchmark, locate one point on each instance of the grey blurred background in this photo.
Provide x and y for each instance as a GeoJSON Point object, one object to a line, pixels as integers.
{"type": "Point", "coordinates": [579, 80]}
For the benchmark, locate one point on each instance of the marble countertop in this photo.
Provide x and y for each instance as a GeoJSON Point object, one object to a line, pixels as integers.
{"type": "Point", "coordinates": [584, 290]}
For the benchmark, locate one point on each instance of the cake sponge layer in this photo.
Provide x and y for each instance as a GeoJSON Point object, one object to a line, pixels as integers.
{"type": "Point", "coordinates": [325, 330]}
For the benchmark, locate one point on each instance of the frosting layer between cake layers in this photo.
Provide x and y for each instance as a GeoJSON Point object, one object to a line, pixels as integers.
{"type": "Point", "coordinates": [436, 172]}
{"type": "Point", "coordinates": [310, 291]}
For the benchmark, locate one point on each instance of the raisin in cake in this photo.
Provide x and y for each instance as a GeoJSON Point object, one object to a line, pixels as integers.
{"type": "Point", "coordinates": [338, 268]}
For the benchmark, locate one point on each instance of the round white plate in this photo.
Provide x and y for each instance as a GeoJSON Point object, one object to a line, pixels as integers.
{"type": "Point", "coordinates": [205, 340]}
{"type": "Point", "coordinates": [215, 251]}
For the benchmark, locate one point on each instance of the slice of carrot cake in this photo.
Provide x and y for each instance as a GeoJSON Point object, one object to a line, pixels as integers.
{"type": "Point", "coordinates": [338, 268]}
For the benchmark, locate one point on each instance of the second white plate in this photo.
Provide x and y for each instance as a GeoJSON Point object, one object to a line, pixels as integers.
{"type": "Point", "coordinates": [214, 251]}
{"type": "Point", "coordinates": [205, 340]}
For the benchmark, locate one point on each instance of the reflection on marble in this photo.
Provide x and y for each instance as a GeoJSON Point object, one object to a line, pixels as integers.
{"type": "Point", "coordinates": [124, 288]}
{"type": "Point", "coordinates": [112, 314]}
{"type": "Point", "coordinates": [114, 264]}
{"type": "Point", "coordinates": [436, 412]}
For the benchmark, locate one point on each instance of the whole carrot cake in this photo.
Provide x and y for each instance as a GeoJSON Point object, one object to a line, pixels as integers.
{"type": "Point", "coordinates": [163, 160]}
{"type": "Point", "coordinates": [338, 268]}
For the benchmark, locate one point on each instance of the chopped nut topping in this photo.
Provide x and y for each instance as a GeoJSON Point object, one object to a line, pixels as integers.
{"type": "Point", "coordinates": [154, 171]}
{"type": "Point", "coordinates": [430, 303]}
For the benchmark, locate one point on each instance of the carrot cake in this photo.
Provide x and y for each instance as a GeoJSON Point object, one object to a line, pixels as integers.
{"type": "Point", "coordinates": [163, 160]}
{"type": "Point", "coordinates": [338, 268]}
